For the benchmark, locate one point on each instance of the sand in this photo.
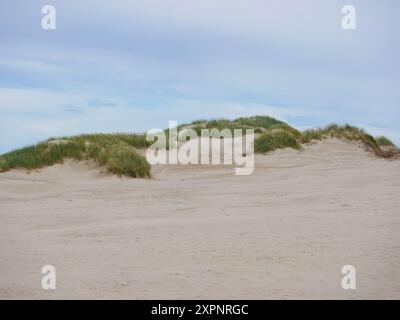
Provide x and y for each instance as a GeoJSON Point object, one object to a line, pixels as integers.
{"type": "Point", "coordinates": [197, 232]}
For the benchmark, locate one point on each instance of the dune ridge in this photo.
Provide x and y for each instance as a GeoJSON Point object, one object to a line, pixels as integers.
{"type": "Point", "coordinates": [121, 154]}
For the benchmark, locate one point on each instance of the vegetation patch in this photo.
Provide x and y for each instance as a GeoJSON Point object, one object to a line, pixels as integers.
{"type": "Point", "coordinates": [116, 152]}
{"type": "Point", "coordinates": [275, 139]}
{"type": "Point", "coordinates": [383, 141]}
{"type": "Point", "coordinates": [351, 133]}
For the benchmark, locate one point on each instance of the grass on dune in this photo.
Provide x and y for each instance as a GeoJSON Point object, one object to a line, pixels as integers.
{"type": "Point", "coordinates": [277, 138]}
{"type": "Point", "coordinates": [119, 154]}
{"type": "Point", "coordinates": [116, 152]}
{"type": "Point", "coordinates": [259, 124]}
{"type": "Point", "coordinates": [351, 133]}
{"type": "Point", "coordinates": [383, 141]}
{"type": "Point", "coordinates": [275, 134]}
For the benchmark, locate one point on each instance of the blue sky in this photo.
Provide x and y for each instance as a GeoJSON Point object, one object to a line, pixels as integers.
{"type": "Point", "coordinates": [113, 66]}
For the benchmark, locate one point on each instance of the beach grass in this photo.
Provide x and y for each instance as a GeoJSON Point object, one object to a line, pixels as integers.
{"type": "Point", "coordinates": [345, 132]}
{"type": "Point", "coordinates": [119, 153]}
{"type": "Point", "coordinates": [276, 138]}
{"type": "Point", "coordinates": [383, 141]}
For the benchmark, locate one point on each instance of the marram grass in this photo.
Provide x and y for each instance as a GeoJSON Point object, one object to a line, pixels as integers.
{"type": "Point", "coordinates": [118, 153]}
{"type": "Point", "coordinates": [115, 152]}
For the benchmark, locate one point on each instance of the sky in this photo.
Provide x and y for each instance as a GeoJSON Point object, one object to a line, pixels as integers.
{"type": "Point", "coordinates": [129, 66]}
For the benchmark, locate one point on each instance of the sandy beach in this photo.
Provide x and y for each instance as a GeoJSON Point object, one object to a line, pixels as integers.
{"type": "Point", "coordinates": [200, 232]}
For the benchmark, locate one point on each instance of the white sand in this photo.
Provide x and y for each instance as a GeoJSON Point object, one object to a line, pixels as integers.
{"type": "Point", "coordinates": [202, 232]}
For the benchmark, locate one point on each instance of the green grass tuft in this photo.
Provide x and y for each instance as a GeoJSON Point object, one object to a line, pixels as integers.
{"type": "Point", "coordinates": [275, 139]}
{"type": "Point", "coordinates": [123, 159]}
{"type": "Point", "coordinates": [383, 141]}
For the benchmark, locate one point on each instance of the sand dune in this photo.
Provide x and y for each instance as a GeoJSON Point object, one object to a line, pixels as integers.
{"type": "Point", "coordinates": [202, 232]}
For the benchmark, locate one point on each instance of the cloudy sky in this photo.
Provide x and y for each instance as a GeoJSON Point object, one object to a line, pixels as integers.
{"type": "Point", "coordinates": [133, 65]}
